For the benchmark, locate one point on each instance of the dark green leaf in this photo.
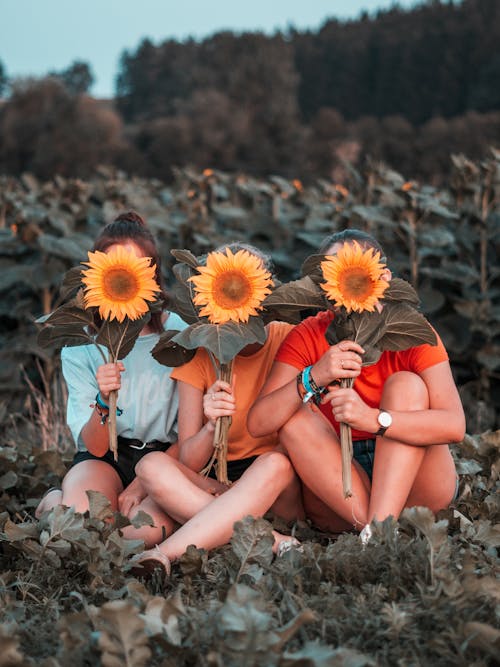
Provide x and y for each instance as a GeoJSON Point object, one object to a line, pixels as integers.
{"type": "Point", "coordinates": [364, 328]}
{"type": "Point", "coordinates": [15, 274]}
{"type": "Point", "coordinates": [120, 337]}
{"type": "Point", "coordinates": [172, 354]}
{"type": "Point", "coordinates": [404, 327]}
{"type": "Point", "coordinates": [69, 314]}
{"type": "Point", "coordinates": [186, 256]}
{"type": "Point", "coordinates": [431, 299]}
{"type": "Point", "coordinates": [60, 336]}
{"type": "Point", "coordinates": [74, 248]}
{"type": "Point", "coordinates": [400, 290]}
{"type": "Point", "coordinates": [72, 281]}
{"type": "Point", "coordinates": [223, 340]}
{"type": "Point", "coordinates": [297, 295]}
{"type": "Point", "coordinates": [312, 268]}
{"type": "Point", "coordinates": [180, 302]}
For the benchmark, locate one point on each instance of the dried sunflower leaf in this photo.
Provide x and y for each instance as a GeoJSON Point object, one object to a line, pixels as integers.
{"type": "Point", "coordinates": [122, 639]}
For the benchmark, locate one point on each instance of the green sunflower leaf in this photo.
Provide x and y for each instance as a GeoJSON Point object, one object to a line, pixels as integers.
{"type": "Point", "coordinates": [169, 353]}
{"type": "Point", "coordinates": [225, 341]}
{"type": "Point", "coordinates": [404, 327]}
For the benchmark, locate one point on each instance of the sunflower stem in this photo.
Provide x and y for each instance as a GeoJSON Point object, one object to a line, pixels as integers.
{"type": "Point", "coordinates": [346, 447]}
{"type": "Point", "coordinates": [112, 402]}
{"type": "Point", "coordinates": [221, 433]}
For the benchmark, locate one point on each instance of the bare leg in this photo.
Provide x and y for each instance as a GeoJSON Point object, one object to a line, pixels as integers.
{"type": "Point", "coordinates": [86, 475]}
{"type": "Point", "coordinates": [174, 487]}
{"type": "Point", "coordinates": [213, 518]}
{"type": "Point", "coordinates": [321, 515]}
{"type": "Point", "coordinates": [314, 450]}
{"type": "Point", "coordinates": [289, 504]}
{"type": "Point", "coordinates": [406, 475]}
{"type": "Point", "coordinates": [151, 535]}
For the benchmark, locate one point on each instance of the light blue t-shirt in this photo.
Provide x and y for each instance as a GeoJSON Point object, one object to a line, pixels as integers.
{"type": "Point", "coordinates": [148, 396]}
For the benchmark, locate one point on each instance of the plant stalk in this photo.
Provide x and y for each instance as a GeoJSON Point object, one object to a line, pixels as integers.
{"type": "Point", "coordinates": [113, 402]}
{"type": "Point", "coordinates": [221, 433]}
{"type": "Point", "coordinates": [346, 447]}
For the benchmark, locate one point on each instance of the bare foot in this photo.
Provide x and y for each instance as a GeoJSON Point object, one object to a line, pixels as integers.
{"type": "Point", "coordinates": [49, 500]}
{"type": "Point", "coordinates": [283, 543]}
{"type": "Point", "coordinates": [150, 562]}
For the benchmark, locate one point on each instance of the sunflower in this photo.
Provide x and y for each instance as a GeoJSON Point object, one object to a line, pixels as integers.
{"type": "Point", "coordinates": [354, 278]}
{"type": "Point", "coordinates": [119, 283]}
{"type": "Point", "coordinates": [231, 287]}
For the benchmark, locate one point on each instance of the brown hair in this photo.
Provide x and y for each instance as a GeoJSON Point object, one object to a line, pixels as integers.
{"type": "Point", "coordinates": [364, 239]}
{"type": "Point", "coordinates": [130, 226]}
{"type": "Point", "coordinates": [234, 246]}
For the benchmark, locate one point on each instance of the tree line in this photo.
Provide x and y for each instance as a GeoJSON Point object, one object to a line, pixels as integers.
{"type": "Point", "coordinates": [404, 87]}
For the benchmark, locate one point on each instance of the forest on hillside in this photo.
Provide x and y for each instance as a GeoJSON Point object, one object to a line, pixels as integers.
{"type": "Point", "coordinates": [408, 87]}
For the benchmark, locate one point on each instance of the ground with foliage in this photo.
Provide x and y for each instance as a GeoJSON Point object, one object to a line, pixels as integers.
{"type": "Point", "coordinates": [424, 594]}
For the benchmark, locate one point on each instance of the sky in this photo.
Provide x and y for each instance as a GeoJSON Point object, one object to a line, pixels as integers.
{"type": "Point", "coordinates": [38, 36]}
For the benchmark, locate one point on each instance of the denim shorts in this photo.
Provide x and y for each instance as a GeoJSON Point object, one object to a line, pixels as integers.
{"type": "Point", "coordinates": [128, 457]}
{"type": "Point", "coordinates": [364, 453]}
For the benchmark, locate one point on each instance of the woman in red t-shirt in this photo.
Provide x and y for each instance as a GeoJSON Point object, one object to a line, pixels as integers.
{"type": "Point", "coordinates": [403, 411]}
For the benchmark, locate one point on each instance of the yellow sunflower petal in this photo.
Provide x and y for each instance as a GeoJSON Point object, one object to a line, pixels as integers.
{"type": "Point", "coordinates": [231, 287]}
{"type": "Point", "coordinates": [119, 283]}
{"type": "Point", "coordinates": [353, 278]}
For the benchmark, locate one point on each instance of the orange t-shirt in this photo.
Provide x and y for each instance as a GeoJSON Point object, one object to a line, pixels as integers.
{"type": "Point", "coordinates": [306, 344]}
{"type": "Point", "coordinates": [250, 373]}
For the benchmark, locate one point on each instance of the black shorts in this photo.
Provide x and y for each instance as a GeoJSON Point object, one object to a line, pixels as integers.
{"type": "Point", "coordinates": [235, 469]}
{"type": "Point", "coordinates": [128, 457]}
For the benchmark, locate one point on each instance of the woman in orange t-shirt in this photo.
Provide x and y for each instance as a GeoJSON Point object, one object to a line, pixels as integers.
{"type": "Point", "coordinates": [403, 412]}
{"type": "Point", "coordinates": [263, 476]}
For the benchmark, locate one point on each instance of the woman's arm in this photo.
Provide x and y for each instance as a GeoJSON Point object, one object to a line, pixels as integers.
{"type": "Point", "coordinates": [279, 399]}
{"type": "Point", "coordinates": [95, 434]}
{"type": "Point", "coordinates": [277, 403]}
{"type": "Point", "coordinates": [442, 423]}
{"type": "Point", "coordinates": [195, 437]}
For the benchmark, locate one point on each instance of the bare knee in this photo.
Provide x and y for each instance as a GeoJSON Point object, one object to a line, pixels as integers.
{"type": "Point", "coordinates": [405, 391]}
{"type": "Point", "coordinates": [296, 429]}
{"type": "Point", "coordinates": [275, 466]}
{"type": "Point", "coordinates": [147, 468]}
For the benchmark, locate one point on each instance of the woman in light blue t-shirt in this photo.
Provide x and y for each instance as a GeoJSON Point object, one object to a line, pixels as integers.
{"type": "Point", "coordinates": [147, 397]}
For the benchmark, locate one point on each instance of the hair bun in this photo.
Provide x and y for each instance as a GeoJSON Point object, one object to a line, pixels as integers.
{"type": "Point", "coordinates": [131, 216]}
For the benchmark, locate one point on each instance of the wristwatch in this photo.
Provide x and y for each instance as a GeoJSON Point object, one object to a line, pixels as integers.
{"type": "Point", "coordinates": [385, 420]}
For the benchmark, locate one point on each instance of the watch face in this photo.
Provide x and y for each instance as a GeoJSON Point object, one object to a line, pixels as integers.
{"type": "Point", "coordinates": [384, 419]}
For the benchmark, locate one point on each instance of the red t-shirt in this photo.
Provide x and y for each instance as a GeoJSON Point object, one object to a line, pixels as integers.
{"type": "Point", "coordinates": [306, 344]}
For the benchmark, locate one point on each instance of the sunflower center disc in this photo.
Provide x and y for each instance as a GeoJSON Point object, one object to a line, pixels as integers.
{"type": "Point", "coordinates": [120, 285]}
{"type": "Point", "coordinates": [231, 290]}
{"type": "Point", "coordinates": [356, 284]}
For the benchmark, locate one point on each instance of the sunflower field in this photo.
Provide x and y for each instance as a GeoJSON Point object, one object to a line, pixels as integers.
{"type": "Point", "coordinates": [426, 595]}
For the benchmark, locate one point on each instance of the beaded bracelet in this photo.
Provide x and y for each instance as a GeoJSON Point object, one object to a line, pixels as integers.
{"type": "Point", "coordinates": [100, 405]}
{"type": "Point", "coordinates": [301, 390]}
{"type": "Point", "coordinates": [311, 388]}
